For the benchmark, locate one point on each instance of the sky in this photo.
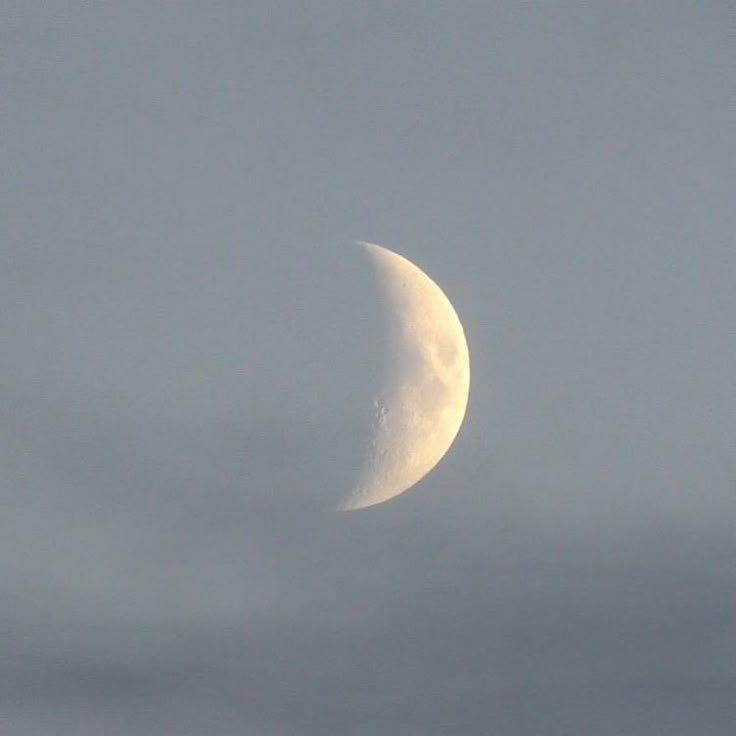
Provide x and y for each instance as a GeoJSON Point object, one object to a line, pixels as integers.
{"type": "Point", "coordinates": [190, 339]}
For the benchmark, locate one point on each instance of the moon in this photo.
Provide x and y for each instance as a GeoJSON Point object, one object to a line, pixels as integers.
{"type": "Point", "coordinates": [421, 405]}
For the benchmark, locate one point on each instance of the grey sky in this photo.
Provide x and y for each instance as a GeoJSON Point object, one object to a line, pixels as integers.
{"type": "Point", "coordinates": [189, 342]}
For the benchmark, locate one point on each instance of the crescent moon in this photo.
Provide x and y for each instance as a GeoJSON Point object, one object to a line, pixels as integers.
{"type": "Point", "coordinates": [421, 406]}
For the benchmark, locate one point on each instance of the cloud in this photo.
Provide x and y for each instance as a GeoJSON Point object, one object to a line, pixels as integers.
{"type": "Point", "coordinates": [187, 352]}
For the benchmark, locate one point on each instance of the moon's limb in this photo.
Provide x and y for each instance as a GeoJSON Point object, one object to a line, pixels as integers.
{"type": "Point", "coordinates": [419, 411]}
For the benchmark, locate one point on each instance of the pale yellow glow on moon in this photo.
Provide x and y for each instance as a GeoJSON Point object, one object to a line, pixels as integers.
{"type": "Point", "coordinates": [419, 411]}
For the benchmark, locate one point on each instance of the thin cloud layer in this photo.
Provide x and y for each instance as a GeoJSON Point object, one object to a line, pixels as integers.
{"type": "Point", "coordinates": [189, 355]}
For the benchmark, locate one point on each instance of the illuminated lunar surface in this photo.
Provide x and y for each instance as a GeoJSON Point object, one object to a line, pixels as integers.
{"type": "Point", "coordinates": [421, 406]}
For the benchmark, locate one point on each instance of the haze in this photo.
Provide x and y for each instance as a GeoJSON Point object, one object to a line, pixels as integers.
{"type": "Point", "coordinates": [188, 339]}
